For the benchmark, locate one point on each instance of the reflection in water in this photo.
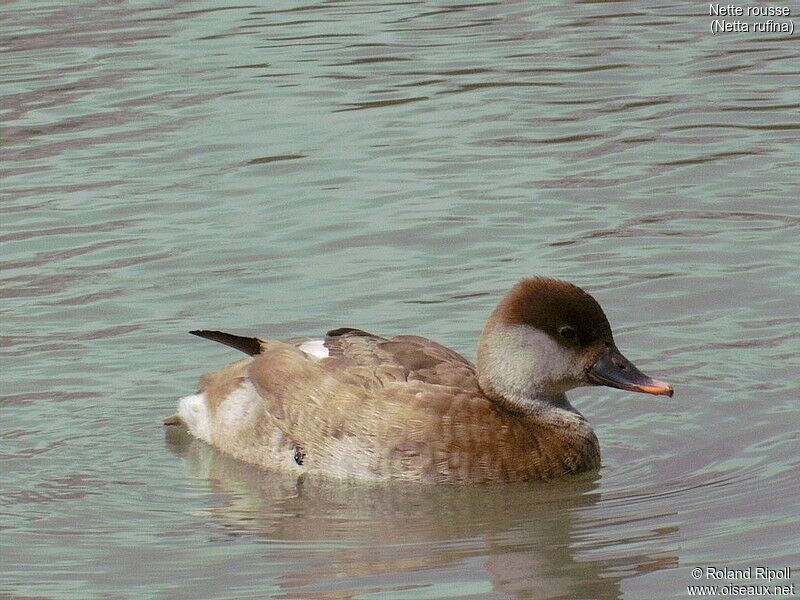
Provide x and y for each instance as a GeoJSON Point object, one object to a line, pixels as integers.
{"type": "Point", "coordinates": [520, 540]}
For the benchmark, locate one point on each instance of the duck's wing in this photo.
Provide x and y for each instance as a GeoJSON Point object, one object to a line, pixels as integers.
{"type": "Point", "coordinates": [373, 404]}
{"type": "Point", "coordinates": [356, 345]}
{"type": "Point", "coordinates": [413, 357]}
{"type": "Point", "coordinates": [364, 396]}
{"type": "Point", "coordinates": [349, 352]}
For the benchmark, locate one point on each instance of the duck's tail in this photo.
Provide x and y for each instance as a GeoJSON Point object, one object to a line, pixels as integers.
{"type": "Point", "coordinates": [248, 345]}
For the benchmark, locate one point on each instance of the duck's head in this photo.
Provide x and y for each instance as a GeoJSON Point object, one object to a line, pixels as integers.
{"type": "Point", "coordinates": [548, 336]}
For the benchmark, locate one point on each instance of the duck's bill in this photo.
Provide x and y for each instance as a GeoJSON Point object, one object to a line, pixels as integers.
{"type": "Point", "coordinates": [614, 370]}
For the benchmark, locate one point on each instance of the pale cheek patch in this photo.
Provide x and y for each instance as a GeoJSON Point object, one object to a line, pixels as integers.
{"type": "Point", "coordinates": [194, 412]}
{"type": "Point", "coordinates": [527, 361]}
{"type": "Point", "coordinates": [315, 349]}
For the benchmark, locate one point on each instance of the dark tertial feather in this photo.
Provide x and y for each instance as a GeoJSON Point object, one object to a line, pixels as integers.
{"type": "Point", "coordinates": [248, 345]}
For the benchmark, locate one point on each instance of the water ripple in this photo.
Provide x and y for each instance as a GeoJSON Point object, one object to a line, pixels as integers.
{"type": "Point", "coordinates": [396, 166]}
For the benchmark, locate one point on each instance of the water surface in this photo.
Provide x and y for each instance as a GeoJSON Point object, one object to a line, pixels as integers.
{"type": "Point", "coordinates": [291, 167]}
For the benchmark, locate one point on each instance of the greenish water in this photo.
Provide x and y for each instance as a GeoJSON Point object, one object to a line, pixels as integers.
{"type": "Point", "coordinates": [285, 168]}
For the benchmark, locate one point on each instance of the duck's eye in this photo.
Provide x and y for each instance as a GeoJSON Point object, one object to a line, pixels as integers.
{"type": "Point", "coordinates": [567, 332]}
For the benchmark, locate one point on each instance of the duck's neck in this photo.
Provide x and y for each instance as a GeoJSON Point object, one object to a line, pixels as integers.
{"type": "Point", "coordinates": [541, 406]}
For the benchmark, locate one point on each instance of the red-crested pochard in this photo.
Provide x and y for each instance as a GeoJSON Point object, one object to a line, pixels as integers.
{"type": "Point", "coordinates": [357, 405]}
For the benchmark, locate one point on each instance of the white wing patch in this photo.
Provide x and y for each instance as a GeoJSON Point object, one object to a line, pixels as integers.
{"type": "Point", "coordinates": [315, 349]}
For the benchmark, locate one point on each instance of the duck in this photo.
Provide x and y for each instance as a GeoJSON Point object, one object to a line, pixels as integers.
{"type": "Point", "coordinates": [359, 406]}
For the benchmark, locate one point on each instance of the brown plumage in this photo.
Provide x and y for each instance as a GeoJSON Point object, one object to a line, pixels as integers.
{"type": "Point", "coordinates": [359, 405]}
